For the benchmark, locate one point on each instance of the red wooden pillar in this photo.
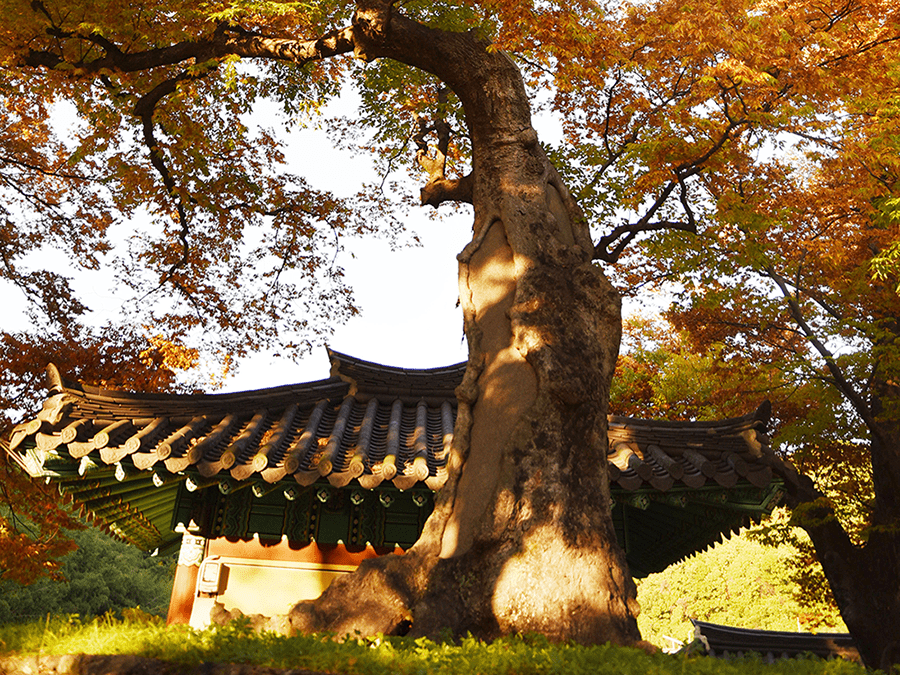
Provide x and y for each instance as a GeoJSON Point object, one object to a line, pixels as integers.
{"type": "Point", "coordinates": [184, 589]}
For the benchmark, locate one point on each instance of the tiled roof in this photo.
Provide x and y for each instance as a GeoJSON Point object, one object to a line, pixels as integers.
{"type": "Point", "coordinates": [368, 426]}
{"type": "Point", "coordinates": [731, 642]}
{"type": "Point", "coordinates": [663, 454]}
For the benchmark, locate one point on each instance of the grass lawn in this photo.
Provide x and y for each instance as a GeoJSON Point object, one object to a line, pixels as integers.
{"type": "Point", "coordinates": [145, 636]}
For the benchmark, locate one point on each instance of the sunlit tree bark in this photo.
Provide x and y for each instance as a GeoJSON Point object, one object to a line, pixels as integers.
{"type": "Point", "coordinates": [521, 538]}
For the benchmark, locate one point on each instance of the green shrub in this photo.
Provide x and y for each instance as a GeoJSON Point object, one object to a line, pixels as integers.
{"type": "Point", "coordinates": [738, 583]}
{"type": "Point", "coordinates": [102, 575]}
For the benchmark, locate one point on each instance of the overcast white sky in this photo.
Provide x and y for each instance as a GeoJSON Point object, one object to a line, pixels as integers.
{"type": "Point", "coordinates": [407, 297]}
{"type": "Point", "coordinates": [409, 315]}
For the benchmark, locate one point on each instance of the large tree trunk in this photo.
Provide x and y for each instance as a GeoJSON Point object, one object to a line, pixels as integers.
{"type": "Point", "coordinates": [521, 538]}
{"type": "Point", "coordinates": [863, 579]}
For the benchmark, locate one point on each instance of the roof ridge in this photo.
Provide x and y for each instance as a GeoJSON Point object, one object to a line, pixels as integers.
{"type": "Point", "coordinates": [64, 385]}
{"type": "Point", "coordinates": [760, 416]}
{"type": "Point", "coordinates": [339, 358]}
{"type": "Point", "coordinates": [345, 369]}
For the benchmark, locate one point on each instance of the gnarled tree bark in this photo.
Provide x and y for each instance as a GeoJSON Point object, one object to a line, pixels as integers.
{"type": "Point", "coordinates": [521, 538]}
{"type": "Point", "coordinates": [862, 577]}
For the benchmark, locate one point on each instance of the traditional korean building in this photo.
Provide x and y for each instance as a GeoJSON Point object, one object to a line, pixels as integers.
{"type": "Point", "coordinates": [287, 487]}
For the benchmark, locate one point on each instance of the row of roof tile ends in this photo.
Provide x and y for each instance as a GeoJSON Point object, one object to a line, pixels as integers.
{"type": "Point", "coordinates": [366, 422]}
{"type": "Point", "coordinates": [732, 642]}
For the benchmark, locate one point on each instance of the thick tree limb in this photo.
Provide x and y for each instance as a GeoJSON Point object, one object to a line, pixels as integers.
{"type": "Point", "coordinates": [439, 188]}
{"type": "Point", "coordinates": [625, 233]}
{"type": "Point", "coordinates": [226, 41]}
{"type": "Point", "coordinates": [435, 163]}
{"type": "Point", "coordinates": [436, 192]}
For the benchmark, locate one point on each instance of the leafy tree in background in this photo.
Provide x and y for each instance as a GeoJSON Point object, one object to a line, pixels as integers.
{"type": "Point", "coordinates": [660, 374]}
{"type": "Point", "coordinates": [103, 575]}
{"type": "Point", "coordinates": [738, 582]}
{"type": "Point", "coordinates": [795, 282]}
{"type": "Point", "coordinates": [695, 116]}
{"type": "Point", "coordinates": [33, 527]}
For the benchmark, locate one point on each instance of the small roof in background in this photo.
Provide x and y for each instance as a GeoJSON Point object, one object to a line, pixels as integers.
{"type": "Point", "coordinates": [731, 642]}
{"type": "Point", "coordinates": [678, 486]}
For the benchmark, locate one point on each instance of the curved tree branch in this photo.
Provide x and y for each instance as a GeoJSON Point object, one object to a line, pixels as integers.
{"type": "Point", "coordinates": [625, 233]}
{"type": "Point", "coordinates": [439, 188]}
{"type": "Point", "coordinates": [840, 381]}
{"type": "Point", "coordinates": [225, 41]}
{"type": "Point", "coordinates": [144, 109]}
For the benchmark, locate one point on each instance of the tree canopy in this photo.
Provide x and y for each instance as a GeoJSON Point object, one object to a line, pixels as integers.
{"type": "Point", "coordinates": [743, 150]}
{"type": "Point", "coordinates": [793, 287]}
